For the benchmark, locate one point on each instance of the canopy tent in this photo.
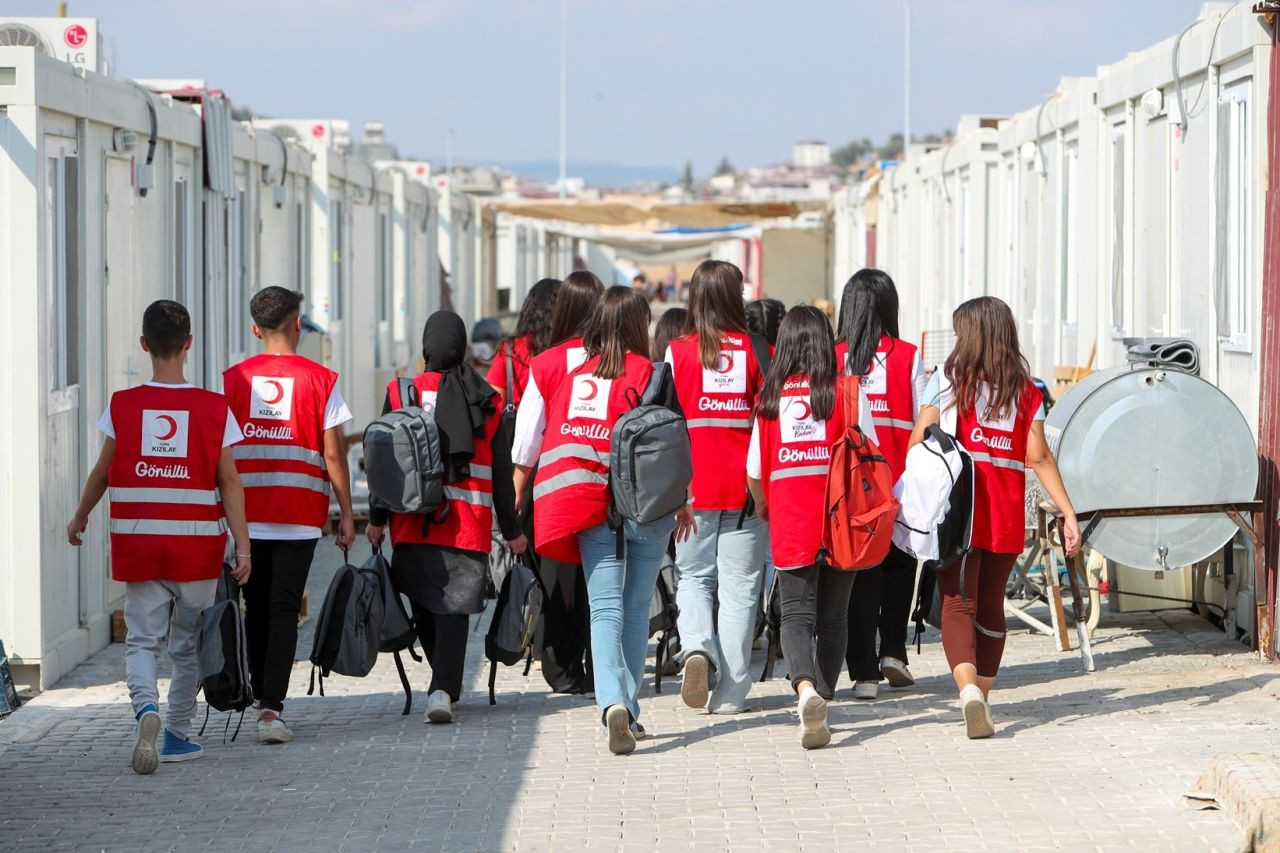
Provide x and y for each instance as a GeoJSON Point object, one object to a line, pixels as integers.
{"type": "Point", "coordinates": [692, 215]}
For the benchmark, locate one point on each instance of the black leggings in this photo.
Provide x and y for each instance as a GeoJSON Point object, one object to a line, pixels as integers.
{"type": "Point", "coordinates": [815, 600]}
{"type": "Point", "coordinates": [272, 598]}
{"type": "Point", "coordinates": [881, 601]}
{"type": "Point", "coordinates": [444, 641]}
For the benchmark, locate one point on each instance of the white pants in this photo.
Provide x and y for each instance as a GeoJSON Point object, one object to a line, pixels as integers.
{"type": "Point", "coordinates": [154, 610]}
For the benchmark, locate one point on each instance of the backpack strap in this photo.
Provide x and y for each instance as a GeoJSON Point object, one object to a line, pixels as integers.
{"type": "Point", "coordinates": [493, 681]}
{"type": "Point", "coordinates": [404, 682]}
{"type": "Point", "coordinates": [408, 392]}
{"type": "Point", "coordinates": [760, 346]}
{"type": "Point", "coordinates": [511, 379]}
{"type": "Point", "coordinates": [850, 393]}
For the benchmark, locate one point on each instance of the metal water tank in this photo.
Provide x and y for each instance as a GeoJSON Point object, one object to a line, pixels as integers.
{"type": "Point", "coordinates": [1141, 436]}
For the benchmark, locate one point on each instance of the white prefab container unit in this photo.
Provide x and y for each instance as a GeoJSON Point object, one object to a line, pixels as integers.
{"type": "Point", "coordinates": [522, 254]}
{"type": "Point", "coordinates": [102, 211]}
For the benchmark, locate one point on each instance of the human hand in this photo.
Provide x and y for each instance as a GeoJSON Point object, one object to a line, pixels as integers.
{"type": "Point", "coordinates": [686, 524]}
{"type": "Point", "coordinates": [346, 532]}
{"type": "Point", "coordinates": [519, 544]}
{"type": "Point", "coordinates": [242, 569]}
{"type": "Point", "coordinates": [1071, 534]}
{"type": "Point", "coordinates": [375, 533]}
{"type": "Point", "coordinates": [763, 512]}
{"type": "Point", "coordinates": [75, 530]}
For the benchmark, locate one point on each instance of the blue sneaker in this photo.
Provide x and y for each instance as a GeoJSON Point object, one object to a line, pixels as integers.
{"type": "Point", "coordinates": [178, 748]}
{"type": "Point", "coordinates": [145, 758]}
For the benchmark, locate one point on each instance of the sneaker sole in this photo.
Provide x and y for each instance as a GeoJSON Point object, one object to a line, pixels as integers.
{"type": "Point", "coordinates": [275, 737]}
{"type": "Point", "coordinates": [862, 698]}
{"type": "Point", "coordinates": [814, 731]}
{"type": "Point", "coordinates": [440, 715]}
{"type": "Point", "coordinates": [977, 724]}
{"type": "Point", "coordinates": [693, 689]}
{"type": "Point", "coordinates": [173, 759]}
{"type": "Point", "coordinates": [897, 677]}
{"type": "Point", "coordinates": [622, 741]}
{"type": "Point", "coordinates": [145, 757]}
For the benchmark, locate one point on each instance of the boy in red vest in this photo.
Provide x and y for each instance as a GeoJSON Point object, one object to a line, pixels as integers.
{"type": "Point", "coordinates": [293, 454]}
{"type": "Point", "coordinates": [174, 491]}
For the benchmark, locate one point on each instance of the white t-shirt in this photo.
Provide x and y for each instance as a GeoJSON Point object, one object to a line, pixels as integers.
{"type": "Point", "coordinates": [531, 424]}
{"type": "Point", "coordinates": [230, 435]}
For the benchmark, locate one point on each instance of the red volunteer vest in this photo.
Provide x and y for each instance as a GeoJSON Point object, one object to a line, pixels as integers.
{"type": "Point", "coordinates": [890, 395]}
{"type": "Point", "coordinates": [571, 488]}
{"type": "Point", "coordinates": [166, 513]}
{"type": "Point", "coordinates": [999, 450]}
{"type": "Point", "coordinates": [795, 453]}
{"type": "Point", "coordinates": [280, 402]}
{"type": "Point", "coordinates": [519, 367]}
{"type": "Point", "coordinates": [717, 403]}
{"type": "Point", "coordinates": [550, 367]}
{"type": "Point", "coordinates": [469, 522]}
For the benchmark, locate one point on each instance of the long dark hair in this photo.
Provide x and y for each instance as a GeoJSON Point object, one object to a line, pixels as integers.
{"type": "Point", "coordinates": [574, 303]}
{"type": "Point", "coordinates": [805, 348]}
{"type": "Point", "coordinates": [670, 325]}
{"type": "Point", "coordinates": [715, 307]}
{"type": "Point", "coordinates": [868, 310]}
{"type": "Point", "coordinates": [534, 321]}
{"type": "Point", "coordinates": [763, 317]}
{"type": "Point", "coordinates": [619, 325]}
{"type": "Point", "coordinates": [987, 351]}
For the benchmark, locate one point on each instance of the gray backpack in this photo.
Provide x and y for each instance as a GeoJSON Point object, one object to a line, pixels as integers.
{"type": "Point", "coordinates": [650, 461]}
{"type": "Point", "coordinates": [403, 460]}
{"type": "Point", "coordinates": [349, 631]}
{"type": "Point", "coordinates": [515, 618]}
{"type": "Point", "coordinates": [223, 651]}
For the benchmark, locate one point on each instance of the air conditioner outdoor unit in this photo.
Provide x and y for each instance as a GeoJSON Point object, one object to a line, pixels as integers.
{"type": "Point", "coordinates": [324, 133]}
{"type": "Point", "coordinates": [73, 40]}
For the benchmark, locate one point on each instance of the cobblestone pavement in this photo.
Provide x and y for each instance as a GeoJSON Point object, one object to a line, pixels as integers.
{"type": "Point", "coordinates": [1079, 761]}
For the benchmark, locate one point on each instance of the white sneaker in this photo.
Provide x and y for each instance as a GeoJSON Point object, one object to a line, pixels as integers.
{"type": "Point", "coordinates": [617, 721]}
{"type": "Point", "coordinates": [866, 690]}
{"type": "Point", "coordinates": [977, 713]}
{"type": "Point", "coordinates": [271, 728]}
{"type": "Point", "coordinates": [814, 732]}
{"type": "Point", "coordinates": [439, 708]}
{"type": "Point", "coordinates": [145, 757]}
{"type": "Point", "coordinates": [693, 689]}
{"type": "Point", "coordinates": [896, 672]}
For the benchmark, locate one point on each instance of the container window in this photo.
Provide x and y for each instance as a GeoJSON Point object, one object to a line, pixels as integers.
{"type": "Point", "coordinates": [383, 270]}
{"type": "Point", "coordinates": [1070, 235]}
{"type": "Point", "coordinates": [1116, 217]}
{"type": "Point", "coordinates": [62, 258]}
{"type": "Point", "coordinates": [1233, 271]}
{"type": "Point", "coordinates": [301, 265]}
{"type": "Point", "coordinates": [180, 245]}
{"type": "Point", "coordinates": [337, 247]}
{"type": "Point", "coordinates": [238, 239]}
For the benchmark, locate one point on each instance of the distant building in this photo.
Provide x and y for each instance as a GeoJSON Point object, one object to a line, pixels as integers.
{"type": "Point", "coordinates": [812, 154]}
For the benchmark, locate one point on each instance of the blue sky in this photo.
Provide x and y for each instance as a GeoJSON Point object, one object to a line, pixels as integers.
{"type": "Point", "coordinates": [652, 82]}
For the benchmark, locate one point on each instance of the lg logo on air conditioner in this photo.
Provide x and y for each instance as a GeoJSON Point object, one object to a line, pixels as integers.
{"type": "Point", "coordinates": [164, 433]}
{"type": "Point", "coordinates": [271, 398]}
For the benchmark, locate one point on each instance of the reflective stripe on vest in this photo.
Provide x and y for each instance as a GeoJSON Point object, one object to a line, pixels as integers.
{"type": "Point", "coordinates": [142, 495]}
{"type": "Point", "coordinates": [480, 472]}
{"type": "Point", "coordinates": [474, 497]}
{"type": "Point", "coordinates": [156, 527]}
{"type": "Point", "coordinates": [983, 456]}
{"type": "Point", "coordinates": [802, 471]}
{"type": "Point", "coordinates": [571, 451]}
{"type": "Point", "coordinates": [284, 478]}
{"type": "Point", "coordinates": [287, 452]}
{"type": "Point", "coordinates": [893, 422]}
{"type": "Point", "coordinates": [574, 477]}
{"type": "Point", "coordinates": [733, 423]}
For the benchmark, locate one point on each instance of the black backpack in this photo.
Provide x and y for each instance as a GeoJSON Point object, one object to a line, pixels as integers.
{"type": "Point", "coordinates": [662, 621]}
{"type": "Point", "coordinates": [349, 629]}
{"type": "Point", "coordinates": [773, 624]}
{"type": "Point", "coordinates": [398, 633]}
{"type": "Point", "coordinates": [223, 652]}
{"type": "Point", "coordinates": [515, 619]}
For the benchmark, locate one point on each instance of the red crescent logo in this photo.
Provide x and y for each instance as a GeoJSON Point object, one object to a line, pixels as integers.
{"type": "Point", "coordinates": [804, 405]}
{"type": "Point", "coordinates": [173, 427]}
{"type": "Point", "coordinates": [279, 392]}
{"type": "Point", "coordinates": [726, 361]}
{"type": "Point", "coordinates": [594, 390]}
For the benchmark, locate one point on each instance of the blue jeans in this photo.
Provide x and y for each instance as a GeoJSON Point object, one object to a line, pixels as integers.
{"type": "Point", "coordinates": [619, 592]}
{"type": "Point", "coordinates": [721, 564]}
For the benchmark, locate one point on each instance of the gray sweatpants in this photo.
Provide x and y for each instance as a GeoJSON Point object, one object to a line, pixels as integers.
{"type": "Point", "coordinates": [154, 610]}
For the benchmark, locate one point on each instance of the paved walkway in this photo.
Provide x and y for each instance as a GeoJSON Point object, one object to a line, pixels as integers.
{"type": "Point", "coordinates": [1079, 762]}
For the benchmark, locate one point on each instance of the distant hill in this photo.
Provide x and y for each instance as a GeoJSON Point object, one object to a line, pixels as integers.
{"type": "Point", "coordinates": [595, 174]}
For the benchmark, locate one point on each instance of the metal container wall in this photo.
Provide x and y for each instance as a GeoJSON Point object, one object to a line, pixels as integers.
{"type": "Point", "coordinates": [1153, 437]}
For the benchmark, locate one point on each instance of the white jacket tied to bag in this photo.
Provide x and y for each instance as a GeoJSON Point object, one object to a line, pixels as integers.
{"type": "Point", "coordinates": [924, 490]}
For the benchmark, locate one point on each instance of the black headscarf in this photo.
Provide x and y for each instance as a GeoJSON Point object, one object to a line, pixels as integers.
{"type": "Point", "coordinates": [464, 400]}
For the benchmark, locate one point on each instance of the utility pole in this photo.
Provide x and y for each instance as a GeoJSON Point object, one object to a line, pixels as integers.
{"type": "Point", "coordinates": [564, 97]}
{"type": "Point", "coordinates": [906, 80]}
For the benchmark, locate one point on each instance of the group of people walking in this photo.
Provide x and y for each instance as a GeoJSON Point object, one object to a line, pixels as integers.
{"type": "Point", "coordinates": [763, 390]}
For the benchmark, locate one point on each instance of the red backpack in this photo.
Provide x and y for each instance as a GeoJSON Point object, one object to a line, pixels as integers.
{"type": "Point", "coordinates": [860, 504]}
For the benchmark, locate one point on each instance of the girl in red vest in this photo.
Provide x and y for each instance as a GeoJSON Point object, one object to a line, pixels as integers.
{"type": "Point", "coordinates": [571, 497]}
{"type": "Point", "coordinates": [531, 337]}
{"type": "Point", "coordinates": [442, 565]}
{"type": "Point", "coordinates": [717, 379]}
{"type": "Point", "coordinates": [566, 630]}
{"type": "Point", "coordinates": [892, 381]}
{"type": "Point", "coordinates": [801, 411]}
{"type": "Point", "coordinates": [984, 395]}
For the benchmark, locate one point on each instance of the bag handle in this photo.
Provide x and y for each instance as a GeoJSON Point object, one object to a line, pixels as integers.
{"type": "Point", "coordinates": [408, 393]}
{"type": "Point", "coordinates": [511, 380]}
{"type": "Point", "coordinates": [851, 389]}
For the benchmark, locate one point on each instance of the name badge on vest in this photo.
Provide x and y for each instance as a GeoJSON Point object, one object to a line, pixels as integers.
{"type": "Point", "coordinates": [729, 375]}
{"type": "Point", "coordinates": [877, 381]}
{"type": "Point", "coordinates": [271, 398]}
{"type": "Point", "coordinates": [797, 423]}
{"type": "Point", "coordinates": [590, 398]}
{"type": "Point", "coordinates": [164, 433]}
{"type": "Point", "coordinates": [574, 358]}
